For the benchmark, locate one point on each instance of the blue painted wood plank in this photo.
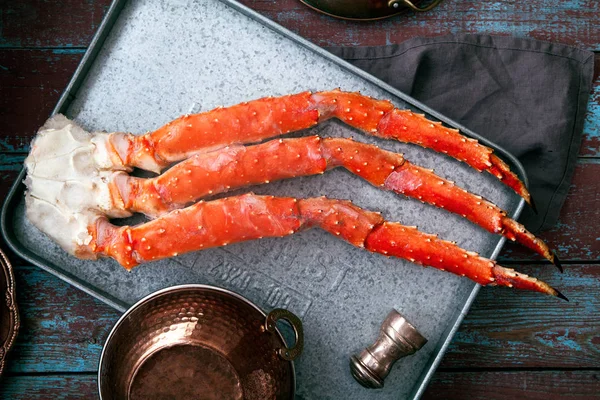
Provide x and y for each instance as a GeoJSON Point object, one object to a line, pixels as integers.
{"type": "Point", "coordinates": [31, 83]}
{"type": "Point", "coordinates": [63, 23]}
{"type": "Point", "coordinates": [63, 387]}
{"type": "Point", "coordinates": [62, 328]}
{"type": "Point", "coordinates": [506, 328]}
{"type": "Point", "coordinates": [31, 23]}
{"type": "Point", "coordinates": [591, 129]}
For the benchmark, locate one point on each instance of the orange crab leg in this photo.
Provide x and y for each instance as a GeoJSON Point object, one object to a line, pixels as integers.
{"type": "Point", "coordinates": [396, 174]}
{"type": "Point", "coordinates": [424, 185]}
{"type": "Point", "coordinates": [380, 118]}
{"type": "Point", "coordinates": [219, 171]}
{"type": "Point", "coordinates": [238, 166]}
{"type": "Point", "coordinates": [264, 118]}
{"type": "Point", "coordinates": [248, 217]}
{"type": "Point", "coordinates": [248, 122]}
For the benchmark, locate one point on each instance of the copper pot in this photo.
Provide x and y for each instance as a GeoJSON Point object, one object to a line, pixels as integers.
{"type": "Point", "coordinates": [365, 10]}
{"type": "Point", "coordinates": [200, 342]}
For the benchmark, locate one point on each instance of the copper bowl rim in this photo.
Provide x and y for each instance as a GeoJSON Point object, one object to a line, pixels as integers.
{"type": "Point", "coordinates": [402, 9]}
{"type": "Point", "coordinates": [13, 311]}
{"type": "Point", "coordinates": [171, 289]}
{"type": "Point", "coordinates": [364, 19]}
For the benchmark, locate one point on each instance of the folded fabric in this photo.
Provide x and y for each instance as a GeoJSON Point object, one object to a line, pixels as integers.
{"type": "Point", "coordinates": [527, 96]}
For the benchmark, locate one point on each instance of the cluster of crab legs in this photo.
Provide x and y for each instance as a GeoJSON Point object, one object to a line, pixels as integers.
{"type": "Point", "coordinates": [213, 158]}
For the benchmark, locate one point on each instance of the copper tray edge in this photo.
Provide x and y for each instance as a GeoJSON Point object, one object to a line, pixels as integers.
{"type": "Point", "coordinates": [10, 301]}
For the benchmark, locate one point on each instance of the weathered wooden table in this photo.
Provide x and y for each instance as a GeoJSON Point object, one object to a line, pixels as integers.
{"type": "Point", "coordinates": [510, 345]}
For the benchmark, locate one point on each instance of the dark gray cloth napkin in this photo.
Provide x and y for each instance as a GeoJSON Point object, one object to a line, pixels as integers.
{"type": "Point", "coordinates": [529, 97]}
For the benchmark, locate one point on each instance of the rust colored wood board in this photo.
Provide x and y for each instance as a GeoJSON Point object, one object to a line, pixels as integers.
{"type": "Point", "coordinates": [36, 23]}
{"type": "Point", "coordinates": [505, 385]}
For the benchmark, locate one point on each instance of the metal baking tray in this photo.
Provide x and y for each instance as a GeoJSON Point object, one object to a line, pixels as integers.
{"type": "Point", "coordinates": [152, 61]}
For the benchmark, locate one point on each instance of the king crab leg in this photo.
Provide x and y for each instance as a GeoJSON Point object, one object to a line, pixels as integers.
{"type": "Point", "coordinates": [77, 181]}
{"type": "Point", "coordinates": [239, 166]}
{"type": "Point", "coordinates": [265, 118]}
{"type": "Point", "coordinates": [248, 217]}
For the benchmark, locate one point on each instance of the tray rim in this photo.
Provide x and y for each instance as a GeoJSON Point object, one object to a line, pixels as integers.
{"type": "Point", "coordinates": [80, 74]}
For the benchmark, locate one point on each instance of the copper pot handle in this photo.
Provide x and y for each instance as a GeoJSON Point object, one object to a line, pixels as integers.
{"type": "Point", "coordinates": [287, 353]}
{"type": "Point", "coordinates": [409, 4]}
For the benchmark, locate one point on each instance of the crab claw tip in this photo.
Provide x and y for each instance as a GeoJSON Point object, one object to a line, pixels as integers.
{"type": "Point", "coordinates": [556, 262]}
{"type": "Point", "coordinates": [532, 205]}
{"type": "Point", "coordinates": [560, 295]}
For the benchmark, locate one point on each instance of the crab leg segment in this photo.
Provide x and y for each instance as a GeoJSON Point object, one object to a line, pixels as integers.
{"type": "Point", "coordinates": [401, 241]}
{"type": "Point", "coordinates": [203, 225]}
{"type": "Point", "coordinates": [249, 122]}
{"type": "Point", "coordinates": [248, 217]}
{"type": "Point", "coordinates": [380, 118]}
{"type": "Point", "coordinates": [391, 171]}
{"type": "Point", "coordinates": [264, 118]}
{"type": "Point", "coordinates": [424, 185]}
{"type": "Point", "coordinates": [239, 166]}
{"type": "Point", "coordinates": [219, 171]}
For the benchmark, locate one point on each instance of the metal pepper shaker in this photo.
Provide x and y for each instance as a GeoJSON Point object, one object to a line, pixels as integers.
{"type": "Point", "coordinates": [397, 339]}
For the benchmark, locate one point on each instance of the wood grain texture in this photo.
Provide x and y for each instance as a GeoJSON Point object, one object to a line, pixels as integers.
{"type": "Point", "coordinates": [501, 385]}
{"type": "Point", "coordinates": [42, 23]}
{"type": "Point", "coordinates": [570, 22]}
{"type": "Point", "coordinates": [32, 82]}
{"type": "Point", "coordinates": [62, 328]}
{"type": "Point", "coordinates": [59, 386]}
{"type": "Point", "coordinates": [38, 23]}
{"type": "Point", "coordinates": [576, 235]}
{"type": "Point", "coordinates": [506, 328]}
{"type": "Point", "coordinates": [590, 146]}
{"type": "Point", "coordinates": [569, 385]}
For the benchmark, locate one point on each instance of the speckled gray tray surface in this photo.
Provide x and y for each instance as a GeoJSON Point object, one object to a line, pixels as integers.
{"type": "Point", "coordinates": [166, 58]}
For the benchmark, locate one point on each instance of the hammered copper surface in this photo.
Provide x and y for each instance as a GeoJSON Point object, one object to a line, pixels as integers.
{"type": "Point", "coordinates": [194, 342]}
{"type": "Point", "coordinates": [9, 313]}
